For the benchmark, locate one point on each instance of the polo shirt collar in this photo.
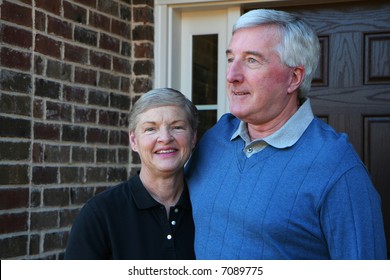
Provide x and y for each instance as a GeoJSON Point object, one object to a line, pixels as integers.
{"type": "Point", "coordinates": [288, 134]}
{"type": "Point", "coordinates": [144, 200]}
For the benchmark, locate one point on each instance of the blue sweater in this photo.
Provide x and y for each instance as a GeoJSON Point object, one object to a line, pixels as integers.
{"type": "Point", "coordinates": [313, 200]}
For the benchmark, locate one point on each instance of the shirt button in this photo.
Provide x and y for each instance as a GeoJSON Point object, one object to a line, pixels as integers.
{"type": "Point", "coordinates": [173, 223]}
{"type": "Point", "coordinates": [169, 237]}
{"type": "Point", "coordinates": [176, 210]}
{"type": "Point", "coordinates": [250, 150]}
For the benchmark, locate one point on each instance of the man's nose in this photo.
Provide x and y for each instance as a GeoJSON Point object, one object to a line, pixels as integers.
{"type": "Point", "coordinates": [234, 72]}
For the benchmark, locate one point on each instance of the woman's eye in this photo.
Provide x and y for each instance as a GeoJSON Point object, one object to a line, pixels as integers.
{"type": "Point", "coordinates": [149, 129]}
{"type": "Point", "coordinates": [178, 127]}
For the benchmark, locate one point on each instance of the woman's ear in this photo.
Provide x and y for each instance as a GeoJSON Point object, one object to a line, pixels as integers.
{"type": "Point", "coordinates": [193, 140]}
{"type": "Point", "coordinates": [132, 140]}
{"type": "Point", "coordinates": [296, 79]}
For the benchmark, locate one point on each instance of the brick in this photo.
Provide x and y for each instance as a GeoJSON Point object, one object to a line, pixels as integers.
{"type": "Point", "coordinates": [14, 198]}
{"type": "Point", "coordinates": [143, 32]}
{"type": "Point", "coordinates": [119, 101]}
{"type": "Point", "coordinates": [76, 54]}
{"type": "Point", "coordinates": [122, 65]}
{"type": "Point", "coordinates": [125, 84]}
{"type": "Point", "coordinates": [47, 46]}
{"type": "Point", "coordinates": [67, 217]}
{"type": "Point", "coordinates": [143, 67]}
{"type": "Point", "coordinates": [72, 174]}
{"type": "Point", "coordinates": [15, 82]}
{"type": "Point", "coordinates": [14, 175]}
{"type": "Point", "coordinates": [85, 36]}
{"type": "Point", "coordinates": [108, 7]}
{"type": "Point", "coordinates": [119, 138]}
{"type": "Point", "coordinates": [108, 118]}
{"type": "Point", "coordinates": [56, 154]}
{"type": "Point", "coordinates": [85, 76]}
{"type": "Point", "coordinates": [15, 222]}
{"type": "Point", "coordinates": [83, 155]}
{"type": "Point", "coordinates": [124, 120]}
{"type": "Point", "coordinates": [15, 36]}
{"type": "Point", "coordinates": [45, 88]}
{"type": "Point", "coordinates": [125, 13]}
{"type": "Point", "coordinates": [35, 240]}
{"type": "Point", "coordinates": [73, 133]}
{"type": "Point", "coordinates": [80, 195]}
{"type": "Point", "coordinates": [46, 131]}
{"type": "Point", "coordinates": [100, 60]}
{"type": "Point", "coordinates": [108, 80]}
{"type": "Point", "coordinates": [35, 198]}
{"type": "Point", "coordinates": [16, 14]}
{"type": "Point", "coordinates": [98, 98]}
{"type": "Point", "coordinates": [59, 27]}
{"type": "Point", "coordinates": [90, 3]}
{"type": "Point", "coordinates": [44, 175]}
{"type": "Point", "coordinates": [135, 159]}
{"type": "Point", "coordinates": [15, 128]}
{"type": "Point", "coordinates": [54, 241]}
{"type": "Point", "coordinates": [96, 174]}
{"type": "Point", "coordinates": [52, 6]}
{"type": "Point", "coordinates": [44, 220]}
{"type": "Point", "coordinates": [142, 85]}
{"type": "Point", "coordinates": [126, 49]}
{"type": "Point", "coordinates": [58, 70]}
{"type": "Point", "coordinates": [38, 110]}
{"type": "Point", "coordinates": [123, 156]}
{"type": "Point", "coordinates": [149, 3]}
{"type": "Point", "coordinates": [40, 21]}
{"type": "Point", "coordinates": [38, 153]}
{"type": "Point", "coordinates": [15, 104]}
{"type": "Point", "coordinates": [39, 65]}
{"type": "Point", "coordinates": [99, 21]}
{"type": "Point", "coordinates": [15, 59]}
{"type": "Point", "coordinates": [56, 197]}
{"type": "Point", "coordinates": [96, 135]}
{"type": "Point", "coordinates": [143, 14]}
{"type": "Point", "coordinates": [74, 94]}
{"type": "Point", "coordinates": [85, 115]}
{"type": "Point", "coordinates": [14, 246]}
{"type": "Point", "coordinates": [14, 151]}
{"type": "Point", "coordinates": [109, 43]}
{"type": "Point", "coordinates": [143, 50]}
{"type": "Point", "coordinates": [106, 156]}
{"type": "Point", "coordinates": [121, 28]}
{"type": "Point", "coordinates": [75, 13]}
{"type": "Point", "coordinates": [117, 174]}
{"type": "Point", "coordinates": [58, 111]}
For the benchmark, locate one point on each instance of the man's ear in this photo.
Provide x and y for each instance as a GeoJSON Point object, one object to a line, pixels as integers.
{"type": "Point", "coordinates": [133, 142]}
{"type": "Point", "coordinates": [297, 76]}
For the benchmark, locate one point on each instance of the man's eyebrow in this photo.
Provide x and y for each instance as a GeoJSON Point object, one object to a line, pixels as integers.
{"type": "Point", "coordinates": [229, 51]}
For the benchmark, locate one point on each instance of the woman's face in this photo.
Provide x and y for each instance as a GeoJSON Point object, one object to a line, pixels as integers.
{"type": "Point", "coordinates": [164, 140]}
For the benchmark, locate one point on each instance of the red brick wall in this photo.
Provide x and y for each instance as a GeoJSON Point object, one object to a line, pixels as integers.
{"type": "Point", "coordinates": [69, 72]}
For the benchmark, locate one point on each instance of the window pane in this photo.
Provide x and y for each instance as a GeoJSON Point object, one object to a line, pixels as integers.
{"type": "Point", "coordinates": [207, 119]}
{"type": "Point", "coordinates": [204, 69]}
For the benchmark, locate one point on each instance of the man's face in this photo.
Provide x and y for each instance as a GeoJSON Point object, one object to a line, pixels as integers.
{"type": "Point", "coordinates": [258, 83]}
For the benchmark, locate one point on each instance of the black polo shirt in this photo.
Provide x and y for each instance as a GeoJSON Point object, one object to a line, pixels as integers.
{"type": "Point", "coordinates": [125, 222]}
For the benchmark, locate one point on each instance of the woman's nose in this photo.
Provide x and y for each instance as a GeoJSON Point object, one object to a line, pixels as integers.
{"type": "Point", "coordinates": [165, 135]}
{"type": "Point", "coordinates": [234, 72]}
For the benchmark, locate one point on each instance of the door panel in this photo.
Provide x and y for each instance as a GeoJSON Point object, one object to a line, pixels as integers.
{"type": "Point", "coordinates": [352, 85]}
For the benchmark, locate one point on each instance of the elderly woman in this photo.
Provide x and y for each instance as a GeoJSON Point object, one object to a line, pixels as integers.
{"type": "Point", "coordinates": [150, 215]}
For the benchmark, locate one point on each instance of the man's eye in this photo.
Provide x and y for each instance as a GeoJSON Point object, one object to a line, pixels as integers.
{"type": "Point", "coordinates": [230, 59]}
{"type": "Point", "coordinates": [252, 60]}
{"type": "Point", "coordinates": [178, 127]}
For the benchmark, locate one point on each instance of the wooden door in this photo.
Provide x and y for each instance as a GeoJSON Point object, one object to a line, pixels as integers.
{"type": "Point", "coordinates": [351, 89]}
